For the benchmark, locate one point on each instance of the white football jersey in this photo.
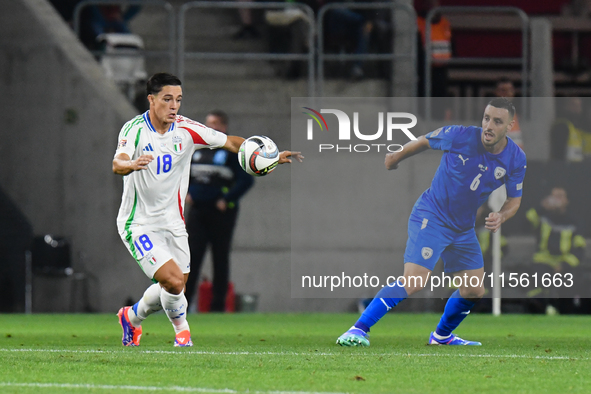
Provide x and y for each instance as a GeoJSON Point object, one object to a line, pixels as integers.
{"type": "Point", "coordinates": [155, 197]}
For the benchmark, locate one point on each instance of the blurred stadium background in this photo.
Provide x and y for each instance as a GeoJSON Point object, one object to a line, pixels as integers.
{"type": "Point", "coordinates": [63, 114]}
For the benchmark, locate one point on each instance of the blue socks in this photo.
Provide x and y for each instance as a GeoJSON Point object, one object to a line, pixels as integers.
{"type": "Point", "coordinates": [456, 310]}
{"type": "Point", "coordinates": [387, 298]}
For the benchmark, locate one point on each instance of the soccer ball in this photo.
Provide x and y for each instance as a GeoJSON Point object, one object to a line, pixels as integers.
{"type": "Point", "coordinates": [258, 155]}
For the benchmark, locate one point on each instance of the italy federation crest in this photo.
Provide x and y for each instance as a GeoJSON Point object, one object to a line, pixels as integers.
{"type": "Point", "coordinates": [500, 172]}
{"type": "Point", "coordinates": [177, 143]}
{"type": "Point", "coordinates": [426, 253]}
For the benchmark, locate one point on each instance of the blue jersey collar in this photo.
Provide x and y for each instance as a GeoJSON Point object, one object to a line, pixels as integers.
{"type": "Point", "coordinates": [146, 116]}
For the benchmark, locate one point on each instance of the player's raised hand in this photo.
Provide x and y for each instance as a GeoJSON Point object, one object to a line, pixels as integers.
{"type": "Point", "coordinates": [141, 163]}
{"type": "Point", "coordinates": [284, 157]}
{"type": "Point", "coordinates": [391, 161]}
{"type": "Point", "coordinates": [493, 221]}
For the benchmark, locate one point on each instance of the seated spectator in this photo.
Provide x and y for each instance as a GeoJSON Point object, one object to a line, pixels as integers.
{"type": "Point", "coordinates": [247, 28]}
{"type": "Point", "coordinates": [577, 8]}
{"type": "Point", "coordinates": [112, 18]}
{"type": "Point", "coordinates": [560, 249]}
{"type": "Point", "coordinates": [349, 29]}
{"type": "Point", "coordinates": [569, 139]}
{"type": "Point", "coordinates": [288, 33]}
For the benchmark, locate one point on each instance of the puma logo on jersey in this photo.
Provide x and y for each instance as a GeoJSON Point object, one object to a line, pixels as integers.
{"type": "Point", "coordinates": [148, 148]}
{"type": "Point", "coordinates": [463, 160]}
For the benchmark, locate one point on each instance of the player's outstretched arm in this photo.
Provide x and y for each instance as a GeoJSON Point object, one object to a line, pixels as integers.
{"type": "Point", "coordinates": [123, 165]}
{"type": "Point", "coordinates": [409, 149]}
{"type": "Point", "coordinates": [233, 143]}
{"type": "Point", "coordinates": [494, 219]}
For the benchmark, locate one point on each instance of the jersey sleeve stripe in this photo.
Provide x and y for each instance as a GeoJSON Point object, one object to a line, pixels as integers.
{"type": "Point", "coordinates": [132, 123]}
{"type": "Point", "coordinates": [137, 137]}
{"type": "Point", "coordinates": [197, 139]}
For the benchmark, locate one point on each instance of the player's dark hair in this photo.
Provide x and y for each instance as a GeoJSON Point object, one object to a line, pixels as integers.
{"type": "Point", "coordinates": [502, 102]}
{"type": "Point", "coordinates": [218, 113]}
{"type": "Point", "coordinates": [160, 80]}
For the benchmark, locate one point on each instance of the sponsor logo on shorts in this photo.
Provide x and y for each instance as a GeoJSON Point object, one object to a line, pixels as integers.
{"type": "Point", "coordinates": [426, 253]}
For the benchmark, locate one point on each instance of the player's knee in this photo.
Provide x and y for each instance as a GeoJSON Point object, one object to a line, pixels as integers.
{"type": "Point", "coordinates": [472, 293]}
{"type": "Point", "coordinates": [174, 285]}
{"type": "Point", "coordinates": [414, 283]}
{"type": "Point", "coordinates": [412, 288]}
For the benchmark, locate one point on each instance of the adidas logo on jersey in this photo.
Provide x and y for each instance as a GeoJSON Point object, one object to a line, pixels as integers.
{"type": "Point", "coordinates": [148, 148]}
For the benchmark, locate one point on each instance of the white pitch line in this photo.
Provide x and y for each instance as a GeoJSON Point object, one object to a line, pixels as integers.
{"type": "Point", "coordinates": [151, 388]}
{"type": "Point", "coordinates": [205, 353]}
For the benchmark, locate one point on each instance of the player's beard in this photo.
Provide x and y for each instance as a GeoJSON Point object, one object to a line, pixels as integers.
{"type": "Point", "coordinates": [496, 138]}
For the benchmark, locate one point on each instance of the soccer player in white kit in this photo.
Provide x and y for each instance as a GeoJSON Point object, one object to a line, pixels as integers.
{"type": "Point", "coordinates": [154, 156]}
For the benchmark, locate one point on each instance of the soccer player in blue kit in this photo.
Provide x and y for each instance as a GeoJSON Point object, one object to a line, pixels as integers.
{"type": "Point", "coordinates": [475, 162]}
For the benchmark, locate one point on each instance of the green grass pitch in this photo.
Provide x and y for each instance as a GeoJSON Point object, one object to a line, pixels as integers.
{"type": "Point", "coordinates": [294, 353]}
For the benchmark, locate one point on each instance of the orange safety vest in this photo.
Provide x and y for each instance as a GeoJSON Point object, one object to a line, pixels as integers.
{"type": "Point", "coordinates": [440, 39]}
{"type": "Point", "coordinates": [515, 133]}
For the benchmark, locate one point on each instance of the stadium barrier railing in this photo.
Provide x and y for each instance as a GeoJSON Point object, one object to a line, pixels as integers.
{"type": "Point", "coordinates": [182, 54]}
{"type": "Point", "coordinates": [167, 7]}
{"type": "Point", "coordinates": [523, 60]}
{"type": "Point", "coordinates": [393, 56]}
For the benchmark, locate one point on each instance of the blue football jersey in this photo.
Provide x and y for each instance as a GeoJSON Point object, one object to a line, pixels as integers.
{"type": "Point", "coordinates": [467, 175]}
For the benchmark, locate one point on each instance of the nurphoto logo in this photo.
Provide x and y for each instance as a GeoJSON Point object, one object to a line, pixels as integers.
{"type": "Point", "coordinates": [348, 132]}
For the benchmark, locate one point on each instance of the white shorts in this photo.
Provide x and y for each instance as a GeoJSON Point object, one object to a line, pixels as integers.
{"type": "Point", "coordinates": [152, 248]}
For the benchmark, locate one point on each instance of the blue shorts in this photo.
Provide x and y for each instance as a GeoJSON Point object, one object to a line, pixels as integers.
{"type": "Point", "coordinates": [428, 240]}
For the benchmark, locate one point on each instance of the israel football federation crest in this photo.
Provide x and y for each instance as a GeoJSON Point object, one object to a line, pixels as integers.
{"type": "Point", "coordinates": [177, 143]}
{"type": "Point", "coordinates": [500, 172]}
{"type": "Point", "coordinates": [426, 253]}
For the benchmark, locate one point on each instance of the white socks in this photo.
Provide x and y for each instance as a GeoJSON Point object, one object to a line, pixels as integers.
{"type": "Point", "coordinates": [147, 305]}
{"type": "Point", "coordinates": [440, 337]}
{"type": "Point", "coordinates": [156, 298]}
{"type": "Point", "coordinates": [175, 307]}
